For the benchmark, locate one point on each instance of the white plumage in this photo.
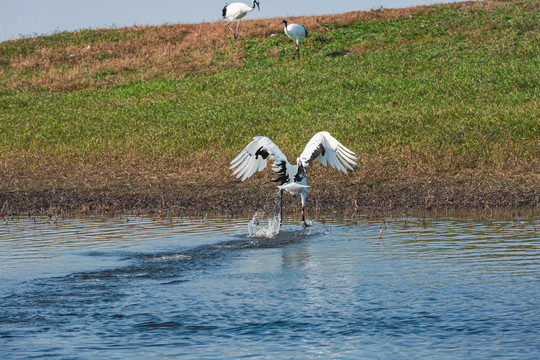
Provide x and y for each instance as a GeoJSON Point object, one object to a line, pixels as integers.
{"type": "Point", "coordinates": [292, 178]}
{"type": "Point", "coordinates": [296, 33]}
{"type": "Point", "coordinates": [236, 11]}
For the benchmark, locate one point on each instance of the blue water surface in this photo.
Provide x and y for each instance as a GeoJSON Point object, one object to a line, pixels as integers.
{"type": "Point", "coordinates": [400, 288]}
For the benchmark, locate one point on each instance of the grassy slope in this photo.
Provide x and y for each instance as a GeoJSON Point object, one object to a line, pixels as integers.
{"type": "Point", "coordinates": [438, 101]}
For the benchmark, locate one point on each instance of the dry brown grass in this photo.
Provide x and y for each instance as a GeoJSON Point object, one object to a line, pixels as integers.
{"type": "Point", "coordinates": [382, 181]}
{"type": "Point", "coordinates": [170, 186]}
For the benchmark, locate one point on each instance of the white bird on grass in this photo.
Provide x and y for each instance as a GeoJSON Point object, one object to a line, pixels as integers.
{"type": "Point", "coordinates": [296, 33]}
{"type": "Point", "coordinates": [292, 178]}
{"type": "Point", "coordinates": [237, 11]}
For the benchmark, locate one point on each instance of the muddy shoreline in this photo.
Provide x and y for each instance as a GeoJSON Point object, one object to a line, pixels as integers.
{"type": "Point", "coordinates": [235, 199]}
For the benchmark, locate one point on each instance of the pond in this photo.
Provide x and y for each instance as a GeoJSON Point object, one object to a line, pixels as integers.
{"type": "Point", "coordinates": [397, 287]}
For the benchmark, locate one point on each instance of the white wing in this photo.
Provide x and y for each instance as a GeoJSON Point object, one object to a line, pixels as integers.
{"type": "Point", "coordinates": [253, 157]}
{"type": "Point", "coordinates": [325, 148]}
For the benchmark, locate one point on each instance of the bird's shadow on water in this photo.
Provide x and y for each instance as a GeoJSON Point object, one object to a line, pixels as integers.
{"type": "Point", "coordinates": [177, 266]}
{"type": "Point", "coordinates": [285, 236]}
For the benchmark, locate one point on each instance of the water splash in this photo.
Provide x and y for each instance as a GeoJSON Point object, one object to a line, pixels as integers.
{"type": "Point", "coordinates": [264, 226]}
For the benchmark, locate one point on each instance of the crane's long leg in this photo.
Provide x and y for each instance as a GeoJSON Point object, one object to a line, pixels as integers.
{"type": "Point", "coordinates": [237, 29]}
{"type": "Point", "coordinates": [297, 52]}
{"type": "Point", "coordinates": [231, 29]}
{"type": "Point", "coordinates": [304, 195]}
{"type": "Point", "coordinates": [304, 218]}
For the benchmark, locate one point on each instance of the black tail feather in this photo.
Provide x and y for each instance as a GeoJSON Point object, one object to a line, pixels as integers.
{"type": "Point", "coordinates": [282, 176]}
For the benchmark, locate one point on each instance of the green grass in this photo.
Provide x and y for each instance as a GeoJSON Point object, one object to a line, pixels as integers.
{"type": "Point", "coordinates": [446, 90]}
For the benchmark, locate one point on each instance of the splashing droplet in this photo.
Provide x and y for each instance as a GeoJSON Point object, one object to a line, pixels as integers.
{"type": "Point", "coordinates": [260, 226]}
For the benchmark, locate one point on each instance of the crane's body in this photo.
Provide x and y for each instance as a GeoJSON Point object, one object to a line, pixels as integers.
{"type": "Point", "coordinates": [236, 11]}
{"type": "Point", "coordinates": [292, 178]}
{"type": "Point", "coordinates": [296, 33]}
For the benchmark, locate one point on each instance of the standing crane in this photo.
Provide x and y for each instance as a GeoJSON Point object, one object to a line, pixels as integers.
{"type": "Point", "coordinates": [236, 11]}
{"type": "Point", "coordinates": [296, 33]}
{"type": "Point", "coordinates": [292, 178]}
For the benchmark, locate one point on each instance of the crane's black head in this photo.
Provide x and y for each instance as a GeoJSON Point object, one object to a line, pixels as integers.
{"type": "Point", "coordinates": [284, 22]}
{"type": "Point", "coordinates": [255, 2]}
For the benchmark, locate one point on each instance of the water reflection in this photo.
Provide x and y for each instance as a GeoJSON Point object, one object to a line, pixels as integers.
{"type": "Point", "coordinates": [295, 256]}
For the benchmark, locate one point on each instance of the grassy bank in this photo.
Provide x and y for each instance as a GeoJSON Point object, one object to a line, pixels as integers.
{"type": "Point", "coordinates": [440, 103]}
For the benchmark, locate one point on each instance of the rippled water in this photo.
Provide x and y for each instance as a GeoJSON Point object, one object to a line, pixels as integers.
{"type": "Point", "coordinates": [387, 288]}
